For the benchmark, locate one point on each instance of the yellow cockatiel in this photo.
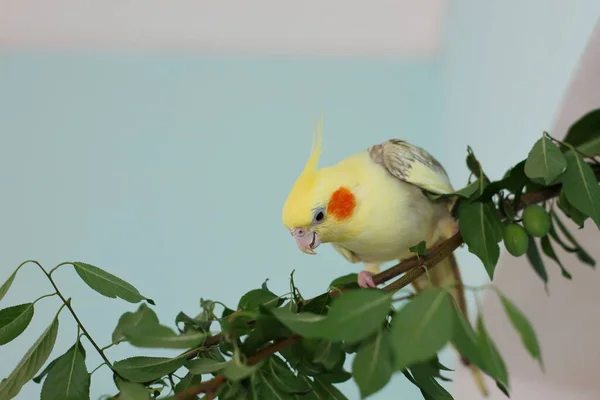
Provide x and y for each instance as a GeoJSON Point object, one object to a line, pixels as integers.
{"type": "Point", "coordinates": [371, 207]}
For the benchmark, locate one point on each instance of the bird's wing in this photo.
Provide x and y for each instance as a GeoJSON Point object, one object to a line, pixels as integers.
{"type": "Point", "coordinates": [411, 164]}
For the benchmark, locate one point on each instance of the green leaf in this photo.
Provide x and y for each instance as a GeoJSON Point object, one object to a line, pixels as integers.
{"type": "Point", "coordinates": [373, 365]}
{"type": "Point", "coordinates": [205, 366]}
{"type": "Point", "coordinates": [107, 284]}
{"type": "Point", "coordinates": [584, 134]}
{"type": "Point", "coordinates": [188, 380]}
{"type": "Point", "coordinates": [545, 162]}
{"type": "Point", "coordinates": [319, 304]}
{"type": "Point", "coordinates": [574, 214]}
{"type": "Point", "coordinates": [533, 255]}
{"type": "Point", "coordinates": [430, 388]}
{"type": "Point", "coordinates": [581, 187]}
{"type": "Point", "coordinates": [231, 391]}
{"type": "Point", "coordinates": [481, 229]}
{"type": "Point", "coordinates": [251, 300]}
{"type": "Point", "coordinates": [300, 359]}
{"type": "Point", "coordinates": [132, 391]}
{"type": "Point", "coordinates": [284, 378]}
{"type": "Point", "coordinates": [14, 320]}
{"type": "Point", "coordinates": [264, 284]}
{"type": "Point", "coordinates": [337, 376]}
{"type": "Point", "coordinates": [31, 362]}
{"type": "Point", "coordinates": [517, 180]}
{"type": "Point", "coordinates": [191, 324]}
{"type": "Point", "coordinates": [523, 328]}
{"type": "Point", "coordinates": [420, 248]}
{"type": "Point", "coordinates": [47, 369]}
{"type": "Point", "coordinates": [327, 390]}
{"type": "Point", "coordinates": [160, 336]}
{"type": "Point", "coordinates": [268, 388]}
{"type": "Point", "coordinates": [583, 256]}
{"type": "Point", "coordinates": [353, 316]}
{"type": "Point", "coordinates": [514, 181]}
{"type": "Point", "coordinates": [465, 339]}
{"type": "Point", "coordinates": [328, 354]}
{"type": "Point", "coordinates": [422, 327]}
{"type": "Point", "coordinates": [306, 324]}
{"type": "Point", "coordinates": [549, 251]}
{"type": "Point", "coordinates": [6, 285]}
{"type": "Point", "coordinates": [144, 315]}
{"type": "Point", "coordinates": [356, 314]}
{"type": "Point", "coordinates": [345, 280]}
{"type": "Point", "coordinates": [473, 164]}
{"type": "Point", "coordinates": [494, 364]}
{"type": "Point", "coordinates": [236, 370]}
{"type": "Point", "coordinates": [144, 369]}
{"type": "Point", "coordinates": [466, 192]}
{"type": "Point", "coordinates": [69, 378]}
{"type": "Point", "coordinates": [266, 328]}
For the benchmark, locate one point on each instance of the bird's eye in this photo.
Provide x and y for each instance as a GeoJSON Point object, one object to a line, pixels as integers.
{"type": "Point", "coordinates": [319, 216]}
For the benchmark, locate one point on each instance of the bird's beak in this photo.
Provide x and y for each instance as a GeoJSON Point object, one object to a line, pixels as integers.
{"type": "Point", "coordinates": [307, 241]}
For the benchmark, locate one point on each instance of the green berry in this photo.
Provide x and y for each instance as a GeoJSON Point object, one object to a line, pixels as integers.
{"type": "Point", "coordinates": [536, 220]}
{"type": "Point", "coordinates": [516, 239]}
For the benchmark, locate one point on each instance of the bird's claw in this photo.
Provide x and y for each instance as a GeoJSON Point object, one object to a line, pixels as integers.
{"type": "Point", "coordinates": [456, 228]}
{"type": "Point", "coordinates": [365, 279]}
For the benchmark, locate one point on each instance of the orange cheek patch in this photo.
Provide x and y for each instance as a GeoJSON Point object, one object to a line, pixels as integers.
{"type": "Point", "coordinates": [341, 204]}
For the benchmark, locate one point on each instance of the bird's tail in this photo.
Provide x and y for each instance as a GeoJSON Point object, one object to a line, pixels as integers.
{"type": "Point", "coordinates": [447, 274]}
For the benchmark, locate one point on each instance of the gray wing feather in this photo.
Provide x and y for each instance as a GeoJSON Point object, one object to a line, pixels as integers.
{"type": "Point", "coordinates": [411, 164]}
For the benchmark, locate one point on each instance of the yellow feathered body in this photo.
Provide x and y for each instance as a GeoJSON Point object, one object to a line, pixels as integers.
{"type": "Point", "coordinates": [372, 207]}
{"type": "Point", "coordinates": [390, 215]}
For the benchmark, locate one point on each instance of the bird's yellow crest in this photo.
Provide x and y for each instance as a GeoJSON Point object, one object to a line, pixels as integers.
{"type": "Point", "coordinates": [297, 210]}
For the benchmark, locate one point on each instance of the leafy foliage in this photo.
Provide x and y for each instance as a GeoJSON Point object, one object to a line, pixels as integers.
{"type": "Point", "coordinates": [585, 133]}
{"type": "Point", "coordinates": [524, 328]}
{"type": "Point", "coordinates": [373, 365]}
{"type": "Point", "coordinates": [482, 230]}
{"type": "Point", "coordinates": [14, 320]}
{"type": "Point", "coordinates": [68, 379]}
{"type": "Point", "coordinates": [107, 284]}
{"type": "Point", "coordinates": [31, 362]}
{"type": "Point", "coordinates": [429, 317]}
{"type": "Point", "coordinates": [6, 285]}
{"type": "Point", "coordinates": [545, 162]}
{"type": "Point", "coordinates": [287, 347]}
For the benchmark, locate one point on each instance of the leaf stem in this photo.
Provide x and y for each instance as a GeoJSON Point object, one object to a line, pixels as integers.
{"type": "Point", "coordinates": [78, 336]}
{"type": "Point", "coordinates": [59, 265]}
{"type": "Point", "coordinates": [574, 149]}
{"type": "Point", "coordinates": [67, 303]}
{"type": "Point", "coordinates": [111, 345]}
{"type": "Point", "coordinates": [44, 296]}
{"type": "Point", "coordinates": [97, 368]}
{"type": "Point", "coordinates": [171, 382]}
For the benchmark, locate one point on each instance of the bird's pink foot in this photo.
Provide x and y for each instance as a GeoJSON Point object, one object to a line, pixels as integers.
{"type": "Point", "coordinates": [456, 228]}
{"type": "Point", "coordinates": [365, 279]}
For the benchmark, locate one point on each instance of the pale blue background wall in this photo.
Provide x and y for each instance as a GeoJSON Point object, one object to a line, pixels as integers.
{"type": "Point", "coordinates": [169, 171]}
